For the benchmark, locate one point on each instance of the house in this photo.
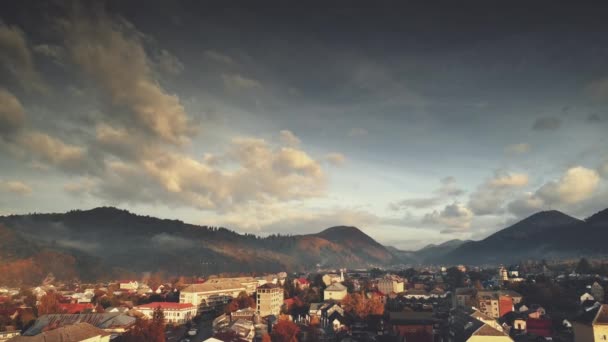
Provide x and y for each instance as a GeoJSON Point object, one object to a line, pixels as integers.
{"type": "Point", "coordinates": [75, 308]}
{"type": "Point", "coordinates": [485, 319]}
{"type": "Point", "coordinates": [486, 333]}
{"type": "Point", "coordinates": [539, 327]}
{"type": "Point", "coordinates": [128, 285]}
{"type": "Point", "coordinates": [269, 300]}
{"type": "Point", "coordinates": [315, 310]}
{"type": "Point", "coordinates": [108, 322]}
{"type": "Point", "coordinates": [177, 313]}
{"type": "Point", "coordinates": [592, 325]}
{"type": "Point", "coordinates": [417, 294]}
{"type": "Point", "coordinates": [8, 334]}
{"type": "Point", "coordinates": [247, 314]}
{"type": "Point", "coordinates": [586, 297]}
{"type": "Point", "coordinates": [249, 283]}
{"type": "Point", "coordinates": [244, 329]}
{"type": "Point", "coordinates": [597, 291]}
{"type": "Point", "coordinates": [211, 294]}
{"type": "Point", "coordinates": [301, 283]}
{"type": "Point", "coordinates": [332, 316]}
{"type": "Point", "coordinates": [413, 325]}
{"type": "Point", "coordinates": [391, 284]}
{"type": "Point", "coordinates": [69, 333]}
{"type": "Point", "coordinates": [464, 297]}
{"type": "Point", "coordinates": [331, 278]}
{"type": "Point", "coordinates": [335, 291]}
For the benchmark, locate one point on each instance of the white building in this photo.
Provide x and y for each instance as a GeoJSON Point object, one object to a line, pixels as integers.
{"type": "Point", "coordinates": [211, 294]}
{"type": "Point", "coordinates": [177, 313]}
{"type": "Point", "coordinates": [129, 285]}
{"type": "Point", "coordinates": [391, 285]}
{"type": "Point", "coordinates": [335, 291]}
{"type": "Point", "coordinates": [269, 300]}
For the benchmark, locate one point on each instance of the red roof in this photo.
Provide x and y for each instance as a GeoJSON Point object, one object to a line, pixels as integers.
{"type": "Point", "coordinates": [166, 306]}
{"type": "Point", "coordinates": [74, 308]}
{"type": "Point", "coordinates": [539, 327]}
{"type": "Point", "coordinates": [4, 299]}
{"type": "Point", "coordinates": [303, 281]}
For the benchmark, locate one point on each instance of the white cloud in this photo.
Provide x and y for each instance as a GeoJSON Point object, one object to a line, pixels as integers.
{"type": "Point", "coordinates": [576, 185]}
{"type": "Point", "coordinates": [449, 187]}
{"type": "Point", "coordinates": [16, 187]}
{"type": "Point", "coordinates": [336, 159]}
{"type": "Point", "coordinates": [169, 63]}
{"type": "Point", "coordinates": [237, 82]}
{"type": "Point", "coordinates": [53, 150]}
{"type": "Point", "coordinates": [489, 197]}
{"type": "Point", "coordinates": [517, 148]}
{"type": "Point", "coordinates": [218, 57]}
{"type": "Point", "coordinates": [289, 139]}
{"type": "Point", "coordinates": [603, 169]}
{"type": "Point", "coordinates": [16, 57]}
{"type": "Point", "coordinates": [12, 114]}
{"type": "Point", "coordinates": [452, 218]}
{"type": "Point", "coordinates": [111, 53]}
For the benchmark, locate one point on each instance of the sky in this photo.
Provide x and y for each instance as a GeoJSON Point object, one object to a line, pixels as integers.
{"type": "Point", "coordinates": [416, 123]}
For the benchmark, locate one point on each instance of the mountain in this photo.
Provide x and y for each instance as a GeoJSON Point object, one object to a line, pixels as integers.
{"type": "Point", "coordinates": [112, 240]}
{"type": "Point", "coordinates": [544, 235]}
{"type": "Point", "coordinates": [427, 253]}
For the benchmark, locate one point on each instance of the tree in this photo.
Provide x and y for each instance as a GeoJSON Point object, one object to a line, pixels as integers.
{"type": "Point", "coordinates": [361, 307]}
{"type": "Point", "coordinates": [454, 277]}
{"type": "Point", "coordinates": [49, 304]}
{"type": "Point", "coordinates": [147, 330]}
{"type": "Point", "coordinates": [583, 267]}
{"type": "Point", "coordinates": [285, 331]}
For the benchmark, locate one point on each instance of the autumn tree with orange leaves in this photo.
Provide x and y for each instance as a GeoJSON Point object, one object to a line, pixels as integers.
{"type": "Point", "coordinates": [147, 330]}
{"type": "Point", "coordinates": [49, 303]}
{"type": "Point", "coordinates": [361, 307]}
{"type": "Point", "coordinates": [285, 331]}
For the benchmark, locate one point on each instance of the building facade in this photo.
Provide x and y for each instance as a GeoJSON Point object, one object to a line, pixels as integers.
{"type": "Point", "coordinates": [269, 300]}
{"type": "Point", "coordinates": [176, 313]}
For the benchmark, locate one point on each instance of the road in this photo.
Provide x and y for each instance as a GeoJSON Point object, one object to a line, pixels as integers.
{"type": "Point", "coordinates": [204, 332]}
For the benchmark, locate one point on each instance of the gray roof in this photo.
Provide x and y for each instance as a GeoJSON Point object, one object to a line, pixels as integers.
{"type": "Point", "coordinates": [98, 320]}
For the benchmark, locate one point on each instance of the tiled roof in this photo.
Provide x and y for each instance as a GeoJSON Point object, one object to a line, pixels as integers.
{"type": "Point", "coordinates": [165, 306]}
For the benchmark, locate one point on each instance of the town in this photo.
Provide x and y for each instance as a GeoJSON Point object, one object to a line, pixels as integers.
{"type": "Point", "coordinates": [531, 301]}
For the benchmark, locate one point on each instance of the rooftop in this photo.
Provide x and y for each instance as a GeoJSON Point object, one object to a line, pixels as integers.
{"type": "Point", "coordinates": [75, 332]}
{"type": "Point", "coordinates": [165, 306]}
{"type": "Point", "coordinates": [210, 286]}
{"type": "Point", "coordinates": [486, 330]}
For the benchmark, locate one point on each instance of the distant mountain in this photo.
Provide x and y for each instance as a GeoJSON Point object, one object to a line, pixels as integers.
{"type": "Point", "coordinates": [428, 253]}
{"type": "Point", "coordinates": [120, 240]}
{"type": "Point", "coordinates": [544, 235]}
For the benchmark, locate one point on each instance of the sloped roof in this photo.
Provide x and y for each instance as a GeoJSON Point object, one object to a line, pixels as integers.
{"type": "Point", "coordinates": [602, 315]}
{"type": "Point", "coordinates": [75, 332]}
{"type": "Point", "coordinates": [99, 320]}
{"type": "Point", "coordinates": [486, 330]}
